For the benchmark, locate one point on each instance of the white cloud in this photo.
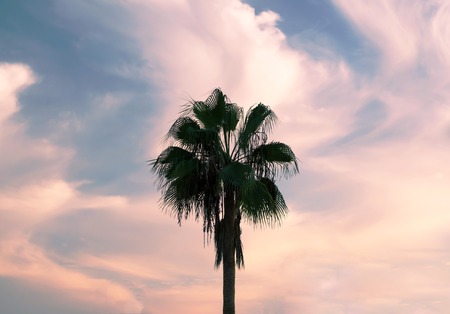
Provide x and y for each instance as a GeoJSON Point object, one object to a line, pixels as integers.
{"type": "Point", "coordinates": [368, 181]}
{"type": "Point", "coordinates": [20, 152]}
{"type": "Point", "coordinates": [376, 198]}
{"type": "Point", "coordinates": [193, 47]}
{"type": "Point", "coordinates": [33, 190]}
{"type": "Point", "coordinates": [393, 26]}
{"type": "Point", "coordinates": [367, 232]}
{"type": "Point", "coordinates": [13, 79]}
{"type": "Point", "coordinates": [440, 30]}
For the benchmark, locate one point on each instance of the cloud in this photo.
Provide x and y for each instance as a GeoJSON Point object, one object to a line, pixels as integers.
{"type": "Point", "coordinates": [440, 29]}
{"type": "Point", "coordinates": [13, 78]}
{"type": "Point", "coordinates": [25, 211]}
{"type": "Point", "coordinates": [34, 191]}
{"type": "Point", "coordinates": [368, 223]}
{"type": "Point", "coordinates": [226, 44]}
{"type": "Point", "coordinates": [397, 36]}
{"type": "Point", "coordinates": [37, 156]}
{"type": "Point", "coordinates": [22, 260]}
{"type": "Point", "coordinates": [372, 180]}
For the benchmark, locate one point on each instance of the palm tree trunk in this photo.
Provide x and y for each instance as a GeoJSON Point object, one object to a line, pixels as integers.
{"type": "Point", "coordinates": [229, 249]}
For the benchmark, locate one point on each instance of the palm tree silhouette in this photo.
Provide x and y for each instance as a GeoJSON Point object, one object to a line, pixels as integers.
{"type": "Point", "coordinates": [219, 166]}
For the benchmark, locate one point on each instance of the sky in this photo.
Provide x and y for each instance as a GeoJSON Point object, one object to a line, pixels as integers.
{"type": "Point", "coordinates": [89, 88]}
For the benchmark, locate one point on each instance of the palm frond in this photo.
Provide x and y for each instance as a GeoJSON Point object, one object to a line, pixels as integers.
{"type": "Point", "coordinates": [235, 175]}
{"type": "Point", "coordinates": [258, 122]}
{"type": "Point", "coordinates": [232, 116]}
{"type": "Point", "coordinates": [239, 246]}
{"type": "Point", "coordinates": [211, 112]}
{"type": "Point", "coordinates": [262, 203]}
{"type": "Point", "coordinates": [219, 164]}
{"type": "Point", "coordinates": [183, 130]}
{"type": "Point", "coordinates": [181, 201]}
{"type": "Point", "coordinates": [169, 158]}
{"type": "Point", "coordinates": [219, 240]}
{"type": "Point", "coordinates": [268, 159]}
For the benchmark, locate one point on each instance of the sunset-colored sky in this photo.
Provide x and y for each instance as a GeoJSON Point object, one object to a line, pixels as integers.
{"type": "Point", "coordinates": [88, 89]}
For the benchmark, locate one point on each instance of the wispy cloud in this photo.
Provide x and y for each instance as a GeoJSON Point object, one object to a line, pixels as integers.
{"type": "Point", "coordinates": [368, 228]}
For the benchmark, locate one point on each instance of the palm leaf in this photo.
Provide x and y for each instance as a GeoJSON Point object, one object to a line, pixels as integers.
{"type": "Point", "coordinates": [166, 162]}
{"type": "Point", "coordinates": [258, 122]}
{"type": "Point", "coordinates": [232, 117]}
{"type": "Point", "coordinates": [262, 203]}
{"type": "Point", "coordinates": [212, 111]}
{"type": "Point", "coordinates": [183, 130]}
{"type": "Point", "coordinates": [268, 159]}
{"type": "Point", "coordinates": [216, 150]}
{"type": "Point", "coordinates": [235, 175]}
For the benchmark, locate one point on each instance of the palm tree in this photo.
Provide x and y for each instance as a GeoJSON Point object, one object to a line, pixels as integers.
{"type": "Point", "coordinates": [220, 167]}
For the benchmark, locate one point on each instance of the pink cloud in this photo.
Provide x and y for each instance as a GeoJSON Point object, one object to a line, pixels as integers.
{"type": "Point", "coordinates": [20, 259]}
{"type": "Point", "coordinates": [13, 79]}
{"type": "Point", "coordinates": [19, 149]}
{"type": "Point", "coordinates": [397, 35]}
{"type": "Point", "coordinates": [381, 187]}
{"type": "Point", "coordinates": [440, 30]}
{"type": "Point", "coordinates": [226, 44]}
{"type": "Point", "coordinates": [368, 223]}
{"type": "Point", "coordinates": [33, 197]}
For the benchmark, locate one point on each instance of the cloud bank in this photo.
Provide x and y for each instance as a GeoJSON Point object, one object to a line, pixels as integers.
{"type": "Point", "coordinates": [368, 228]}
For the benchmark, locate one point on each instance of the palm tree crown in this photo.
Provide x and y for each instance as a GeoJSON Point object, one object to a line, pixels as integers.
{"type": "Point", "coordinates": [220, 164]}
